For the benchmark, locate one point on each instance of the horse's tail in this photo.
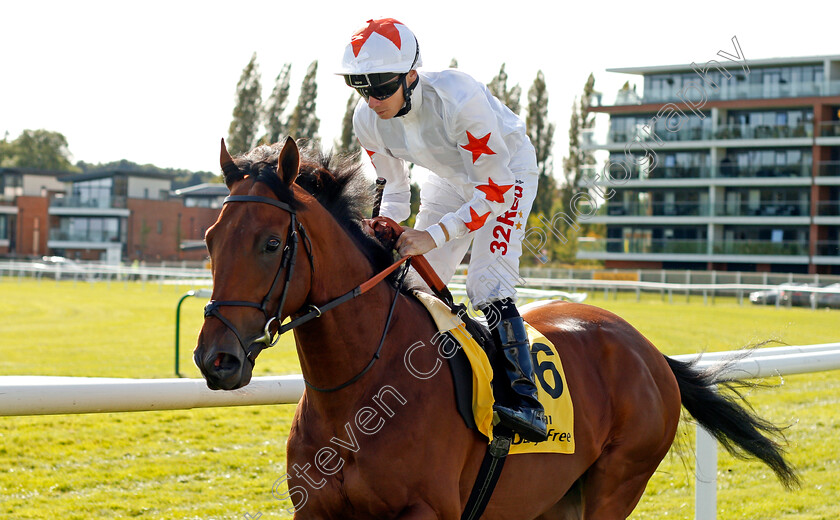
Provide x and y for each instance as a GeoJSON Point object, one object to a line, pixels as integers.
{"type": "Point", "coordinates": [738, 428]}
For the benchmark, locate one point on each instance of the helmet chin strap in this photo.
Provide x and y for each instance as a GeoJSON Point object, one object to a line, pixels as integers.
{"type": "Point", "coordinates": [407, 91]}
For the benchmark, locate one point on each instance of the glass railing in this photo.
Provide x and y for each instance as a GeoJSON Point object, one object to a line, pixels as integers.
{"type": "Point", "coordinates": [740, 247]}
{"type": "Point", "coordinates": [795, 170]}
{"type": "Point", "coordinates": [739, 131]}
{"type": "Point", "coordinates": [734, 131]}
{"type": "Point", "coordinates": [78, 202]}
{"type": "Point", "coordinates": [618, 245]}
{"type": "Point", "coordinates": [828, 248]}
{"type": "Point", "coordinates": [760, 247]}
{"type": "Point", "coordinates": [776, 209]}
{"type": "Point", "coordinates": [828, 208]}
{"type": "Point", "coordinates": [729, 90]}
{"type": "Point", "coordinates": [618, 174]}
{"type": "Point", "coordinates": [828, 168]}
{"type": "Point", "coordinates": [659, 209]}
{"type": "Point", "coordinates": [84, 236]}
{"type": "Point", "coordinates": [680, 172]}
{"type": "Point", "coordinates": [684, 134]}
{"type": "Point", "coordinates": [829, 129]}
{"type": "Point", "coordinates": [687, 209]}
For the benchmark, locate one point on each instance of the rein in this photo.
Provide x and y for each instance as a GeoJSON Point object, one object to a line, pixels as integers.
{"type": "Point", "coordinates": [288, 260]}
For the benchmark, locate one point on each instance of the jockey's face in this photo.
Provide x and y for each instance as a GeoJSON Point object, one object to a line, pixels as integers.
{"type": "Point", "coordinates": [388, 108]}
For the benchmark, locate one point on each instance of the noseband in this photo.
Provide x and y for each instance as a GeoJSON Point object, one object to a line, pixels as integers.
{"type": "Point", "coordinates": [287, 263]}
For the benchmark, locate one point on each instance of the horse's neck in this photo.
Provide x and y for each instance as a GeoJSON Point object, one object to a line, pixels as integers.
{"type": "Point", "coordinates": [339, 344]}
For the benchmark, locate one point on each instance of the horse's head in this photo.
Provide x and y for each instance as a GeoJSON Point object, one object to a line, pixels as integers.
{"type": "Point", "coordinates": [258, 253]}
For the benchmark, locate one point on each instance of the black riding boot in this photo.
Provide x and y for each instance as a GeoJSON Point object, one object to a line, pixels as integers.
{"type": "Point", "coordinates": [521, 411]}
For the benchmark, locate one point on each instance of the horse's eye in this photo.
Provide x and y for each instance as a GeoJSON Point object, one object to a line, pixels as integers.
{"type": "Point", "coordinates": [272, 245]}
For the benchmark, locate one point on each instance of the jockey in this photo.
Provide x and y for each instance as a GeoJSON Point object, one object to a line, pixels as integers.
{"type": "Point", "coordinates": [483, 182]}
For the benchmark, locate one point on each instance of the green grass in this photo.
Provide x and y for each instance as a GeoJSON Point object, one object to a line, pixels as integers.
{"type": "Point", "coordinates": [220, 463]}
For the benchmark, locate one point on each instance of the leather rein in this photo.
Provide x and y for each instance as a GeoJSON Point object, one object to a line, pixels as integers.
{"type": "Point", "coordinates": [287, 264]}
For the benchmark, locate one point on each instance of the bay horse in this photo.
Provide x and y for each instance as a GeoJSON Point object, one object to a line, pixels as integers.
{"type": "Point", "coordinates": [371, 438]}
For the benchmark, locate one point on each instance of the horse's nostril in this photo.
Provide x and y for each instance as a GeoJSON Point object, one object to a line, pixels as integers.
{"type": "Point", "coordinates": [225, 362]}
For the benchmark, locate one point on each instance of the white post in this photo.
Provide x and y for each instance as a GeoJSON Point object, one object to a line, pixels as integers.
{"type": "Point", "coordinates": [705, 479]}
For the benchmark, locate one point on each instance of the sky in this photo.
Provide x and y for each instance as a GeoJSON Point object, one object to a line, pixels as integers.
{"type": "Point", "coordinates": [154, 82]}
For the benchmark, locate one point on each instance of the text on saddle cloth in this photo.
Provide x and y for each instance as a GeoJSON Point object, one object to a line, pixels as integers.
{"type": "Point", "coordinates": [552, 389]}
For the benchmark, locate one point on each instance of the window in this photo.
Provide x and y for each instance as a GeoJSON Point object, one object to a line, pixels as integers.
{"type": "Point", "coordinates": [11, 184]}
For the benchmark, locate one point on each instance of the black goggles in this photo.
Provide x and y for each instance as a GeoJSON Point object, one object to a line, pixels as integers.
{"type": "Point", "coordinates": [378, 86]}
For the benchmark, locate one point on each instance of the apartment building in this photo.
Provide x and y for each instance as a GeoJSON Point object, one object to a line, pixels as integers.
{"type": "Point", "coordinates": [24, 196]}
{"type": "Point", "coordinates": [742, 168]}
{"type": "Point", "coordinates": [108, 216]}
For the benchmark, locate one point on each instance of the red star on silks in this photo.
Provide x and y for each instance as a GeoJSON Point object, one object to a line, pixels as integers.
{"type": "Point", "coordinates": [384, 27]}
{"type": "Point", "coordinates": [493, 192]}
{"type": "Point", "coordinates": [477, 221]}
{"type": "Point", "coordinates": [478, 146]}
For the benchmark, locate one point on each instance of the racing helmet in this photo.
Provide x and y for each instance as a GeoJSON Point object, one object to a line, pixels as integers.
{"type": "Point", "coordinates": [379, 53]}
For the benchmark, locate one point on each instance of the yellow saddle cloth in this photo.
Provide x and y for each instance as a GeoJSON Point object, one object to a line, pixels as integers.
{"type": "Point", "coordinates": [551, 383]}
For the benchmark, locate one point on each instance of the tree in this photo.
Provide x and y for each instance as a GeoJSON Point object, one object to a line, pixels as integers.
{"type": "Point", "coordinates": [304, 122]}
{"type": "Point", "coordinates": [39, 149]}
{"type": "Point", "coordinates": [541, 133]}
{"type": "Point", "coordinates": [578, 159]}
{"type": "Point", "coordinates": [275, 126]}
{"type": "Point", "coordinates": [453, 64]}
{"type": "Point", "coordinates": [498, 87]}
{"type": "Point", "coordinates": [575, 164]}
{"type": "Point", "coordinates": [243, 129]}
{"type": "Point", "coordinates": [414, 204]}
{"type": "Point", "coordinates": [348, 144]}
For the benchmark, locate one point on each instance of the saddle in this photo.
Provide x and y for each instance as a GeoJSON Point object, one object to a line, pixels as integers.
{"type": "Point", "coordinates": [470, 366]}
{"type": "Point", "coordinates": [472, 375]}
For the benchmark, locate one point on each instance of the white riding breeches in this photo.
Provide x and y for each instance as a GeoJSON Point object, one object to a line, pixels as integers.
{"type": "Point", "coordinates": [493, 270]}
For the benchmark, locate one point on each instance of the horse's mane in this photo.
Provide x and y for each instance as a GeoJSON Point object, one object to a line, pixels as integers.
{"type": "Point", "coordinates": [337, 182]}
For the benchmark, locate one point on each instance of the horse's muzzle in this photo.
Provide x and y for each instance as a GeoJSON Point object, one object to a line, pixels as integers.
{"type": "Point", "coordinates": [223, 368]}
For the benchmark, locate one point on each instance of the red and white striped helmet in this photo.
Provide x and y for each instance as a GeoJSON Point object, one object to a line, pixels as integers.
{"type": "Point", "coordinates": [382, 46]}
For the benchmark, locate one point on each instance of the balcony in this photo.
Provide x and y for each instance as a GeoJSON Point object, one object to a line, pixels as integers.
{"type": "Point", "coordinates": [773, 209]}
{"type": "Point", "coordinates": [828, 208]}
{"type": "Point", "coordinates": [760, 247]}
{"type": "Point", "coordinates": [730, 90]}
{"type": "Point", "coordinates": [700, 247]}
{"type": "Point", "coordinates": [734, 171]}
{"type": "Point", "coordinates": [828, 168]}
{"type": "Point", "coordinates": [623, 138]}
{"type": "Point", "coordinates": [828, 248]}
{"type": "Point", "coordinates": [594, 175]}
{"type": "Point", "coordinates": [88, 203]}
{"type": "Point", "coordinates": [644, 246]}
{"type": "Point", "coordinates": [659, 209]}
{"type": "Point", "coordinates": [829, 129]}
{"type": "Point", "coordinates": [743, 131]}
{"type": "Point", "coordinates": [93, 236]}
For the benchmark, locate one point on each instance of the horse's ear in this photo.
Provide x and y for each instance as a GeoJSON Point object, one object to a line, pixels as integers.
{"type": "Point", "coordinates": [230, 171]}
{"type": "Point", "coordinates": [288, 164]}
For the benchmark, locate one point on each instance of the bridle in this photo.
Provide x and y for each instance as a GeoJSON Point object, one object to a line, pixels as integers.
{"type": "Point", "coordinates": [287, 264]}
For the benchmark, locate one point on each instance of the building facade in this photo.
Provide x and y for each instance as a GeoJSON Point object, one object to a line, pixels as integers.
{"type": "Point", "coordinates": [108, 216]}
{"type": "Point", "coordinates": [723, 166]}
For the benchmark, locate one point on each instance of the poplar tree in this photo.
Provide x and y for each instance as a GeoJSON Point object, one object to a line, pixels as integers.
{"type": "Point", "coordinates": [304, 122]}
{"type": "Point", "coordinates": [243, 129]}
{"type": "Point", "coordinates": [498, 87]}
{"type": "Point", "coordinates": [541, 133]}
{"type": "Point", "coordinates": [275, 125]}
{"type": "Point", "coordinates": [578, 159]}
{"type": "Point", "coordinates": [347, 143]}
